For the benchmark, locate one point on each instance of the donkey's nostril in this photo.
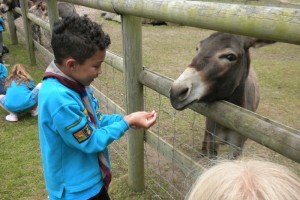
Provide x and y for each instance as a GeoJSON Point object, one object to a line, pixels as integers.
{"type": "Point", "coordinates": [183, 93]}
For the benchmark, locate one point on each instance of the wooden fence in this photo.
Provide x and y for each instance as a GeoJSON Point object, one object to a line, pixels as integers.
{"type": "Point", "coordinates": [283, 25]}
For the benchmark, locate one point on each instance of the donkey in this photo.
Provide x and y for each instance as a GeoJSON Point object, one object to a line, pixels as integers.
{"type": "Point", "coordinates": [10, 5]}
{"type": "Point", "coordinates": [220, 71]}
{"type": "Point", "coordinates": [40, 9]}
{"type": "Point", "coordinates": [35, 7]}
{"type": "Point", "coordinates": [64, 9]}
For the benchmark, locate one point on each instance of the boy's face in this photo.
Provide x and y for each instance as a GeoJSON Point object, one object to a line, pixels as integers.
{"type": "Point", "coordinates": [86, 73]}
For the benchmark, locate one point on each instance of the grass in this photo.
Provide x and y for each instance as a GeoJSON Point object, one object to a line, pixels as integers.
{"type": "Point", "coordinates": [21, 171]}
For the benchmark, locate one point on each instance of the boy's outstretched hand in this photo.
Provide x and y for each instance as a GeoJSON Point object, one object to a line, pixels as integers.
{"type": "Point", "coordinates": [141, 119]}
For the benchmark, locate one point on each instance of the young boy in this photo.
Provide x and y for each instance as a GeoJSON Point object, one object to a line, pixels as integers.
{"type": "Point", "coordinates": [74, 135]}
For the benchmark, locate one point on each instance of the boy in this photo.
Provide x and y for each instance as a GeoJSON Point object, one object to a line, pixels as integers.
{"type": "Point", "coordinates": [73, 135]}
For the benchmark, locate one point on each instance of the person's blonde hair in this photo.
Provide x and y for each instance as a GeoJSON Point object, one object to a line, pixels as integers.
{"type": "Point", "coordinates": [19, 74]}
{"type": "Point", "coordinates": [246, 180]}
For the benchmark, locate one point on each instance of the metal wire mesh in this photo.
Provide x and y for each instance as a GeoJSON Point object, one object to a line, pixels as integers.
{"type": "Point", "coordinates": [183, 130]}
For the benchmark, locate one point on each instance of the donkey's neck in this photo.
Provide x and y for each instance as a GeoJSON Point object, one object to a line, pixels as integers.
{"type": "Point", "coordinates": [238, 96]}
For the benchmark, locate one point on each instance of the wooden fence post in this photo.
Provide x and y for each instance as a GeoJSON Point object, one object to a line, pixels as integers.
{"type": "Point", "coordinates": [27, 31]}
{"type": "Point", "coordinates": [132, 54]}
{"type": "Point", "coordinates": [52, 12]}
{"type": "Point", "coordinates": [12, 28]}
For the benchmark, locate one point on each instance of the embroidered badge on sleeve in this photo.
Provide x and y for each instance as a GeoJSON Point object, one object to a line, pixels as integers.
{"type": "Point", "coordinates": [83, 134]}
{"type": "Point", "coordinates": [99, 114]}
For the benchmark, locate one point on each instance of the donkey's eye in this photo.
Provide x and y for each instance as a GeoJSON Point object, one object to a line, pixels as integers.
{"type": "Point", "coordinates": [230, 57]}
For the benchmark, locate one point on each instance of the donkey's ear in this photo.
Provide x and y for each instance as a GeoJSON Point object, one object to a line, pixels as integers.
{"type": "Point", "coordinates": [256, 42]}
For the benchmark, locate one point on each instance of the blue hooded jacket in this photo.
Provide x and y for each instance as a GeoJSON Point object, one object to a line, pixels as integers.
{"type": "Point", "coordinates": [3, 71]}
{"type": "Point", "coordinates": [19, 96]}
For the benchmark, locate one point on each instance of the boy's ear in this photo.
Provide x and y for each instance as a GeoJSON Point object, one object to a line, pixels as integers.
{"type": "Point", "coordinates": [70, 63]}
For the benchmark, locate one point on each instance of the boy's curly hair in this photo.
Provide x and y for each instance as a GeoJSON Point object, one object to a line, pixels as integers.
{"type": "Point", "coordinates": [77, 37]}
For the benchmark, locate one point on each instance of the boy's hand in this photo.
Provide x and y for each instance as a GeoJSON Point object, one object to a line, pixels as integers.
{"type": "Point", "coordinates": [141, 119]}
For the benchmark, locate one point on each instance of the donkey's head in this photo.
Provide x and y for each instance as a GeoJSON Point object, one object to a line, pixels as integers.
{"type": "Point", "coordinates": [40, 9]}
{"type": "Point", "coordinates": [8, 5]}
{"type": "Point", "coordinates": [220, 66]}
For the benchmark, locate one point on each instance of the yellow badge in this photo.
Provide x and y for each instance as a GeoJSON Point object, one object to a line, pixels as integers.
{"type": "Point", "coordinates": [85, 112]}
{"type": "Point", "coordinates": [83, 134]}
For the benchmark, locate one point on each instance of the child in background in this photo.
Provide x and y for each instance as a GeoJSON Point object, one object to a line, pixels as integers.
{"type": "Point", "coordinates": [2, 28]}
{"type": "Point", "coordinates": [74, 135]}
{"type": "Point", "coordinates": [246, 180]}
{"type": "Point", "coordinates": [3, 75]}
{"type": "Point", "coordinates": [21, 93]}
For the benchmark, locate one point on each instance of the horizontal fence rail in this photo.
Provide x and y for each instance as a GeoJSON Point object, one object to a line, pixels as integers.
{"type": "Point", "coordinates": [35, 19]}
{"type": "Point", "coordinates": [273, 135]}
{"type": "Point", "coordinates": [283, 23]}
{"type": "Point", "coordinates": [280, 138]}
{"type": "Point", "coordinates": [185, 163]}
